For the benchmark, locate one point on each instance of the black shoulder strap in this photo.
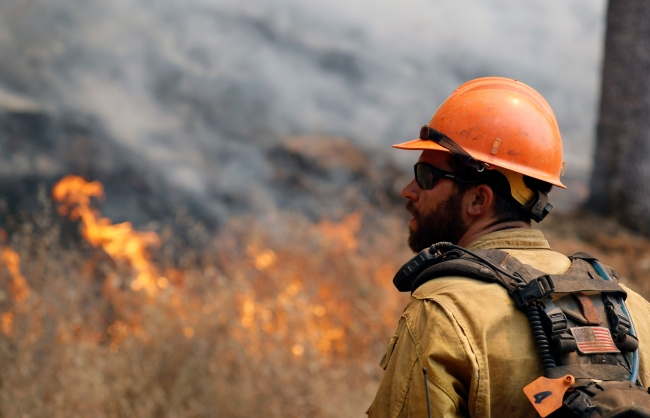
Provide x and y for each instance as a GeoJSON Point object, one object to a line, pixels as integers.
{"type": "Point", "coordinates": [581, 276]}
{"type": "Point", "coordinates": [467, 265]}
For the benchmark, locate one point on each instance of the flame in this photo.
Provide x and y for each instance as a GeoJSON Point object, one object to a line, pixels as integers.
{"type": "Point", "coordinates": [7, 323]}
{"type": "Point", "coordinates": [19, 287]}
{"type": "Point", "coordinates": [263, 259]}
{"type": "Point", "coordinates": [343, 233]}
{"type": "Point", "coordinates": [300, 296]}
{"type": "Point", "coordinates": [276, 298]}
{"type": "Point", "coordinates": [20, 290]}
{"type": "Point", "coordinates": [120, 241]}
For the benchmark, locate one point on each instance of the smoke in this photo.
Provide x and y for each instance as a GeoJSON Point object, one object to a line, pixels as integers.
{"type": "Point", "coordinates": [202, 91]}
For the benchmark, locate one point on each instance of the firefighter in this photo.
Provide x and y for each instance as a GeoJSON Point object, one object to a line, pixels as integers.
{"type": "Point", "coordinates": [489, 156]}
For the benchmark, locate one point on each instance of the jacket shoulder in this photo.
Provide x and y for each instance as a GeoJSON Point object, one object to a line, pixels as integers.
{"type": "Point", "coordinates": [458, 289]}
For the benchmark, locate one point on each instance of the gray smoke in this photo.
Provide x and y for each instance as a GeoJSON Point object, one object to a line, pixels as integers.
{"type": "Point", "coordinates": [202, 91]}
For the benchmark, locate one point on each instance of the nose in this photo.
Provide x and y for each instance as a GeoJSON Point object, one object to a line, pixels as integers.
{"type": "Point", "coordinates": [411, 191]}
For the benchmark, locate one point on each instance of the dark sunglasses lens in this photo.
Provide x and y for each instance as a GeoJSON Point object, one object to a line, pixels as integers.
{"type": "Point", "coordinates": [424, 176]}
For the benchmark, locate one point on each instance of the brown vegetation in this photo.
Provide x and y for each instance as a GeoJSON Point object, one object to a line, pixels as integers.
{"type": "Point", "coordinates": [283, 317]}
{"type": "Point", "coordinates": [279, 317]}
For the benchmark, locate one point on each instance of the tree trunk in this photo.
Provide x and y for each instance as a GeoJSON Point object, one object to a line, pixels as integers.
{"type": "Point", "coordinates": [620, 181]}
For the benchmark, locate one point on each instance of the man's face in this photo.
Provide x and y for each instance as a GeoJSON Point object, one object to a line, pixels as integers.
{"type": "Point", "coordinates": [437, 213]}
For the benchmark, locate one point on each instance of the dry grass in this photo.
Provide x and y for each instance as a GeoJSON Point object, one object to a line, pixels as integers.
{"type": "Point", "coordinates": [278, 318]}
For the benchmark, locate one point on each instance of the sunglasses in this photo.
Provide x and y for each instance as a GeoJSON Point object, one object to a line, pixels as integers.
{"type": "Point", "coordinates": [427, 175]}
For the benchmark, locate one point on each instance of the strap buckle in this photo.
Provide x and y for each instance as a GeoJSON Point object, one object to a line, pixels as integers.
{"type": "Point", "coordinates": [558, 322]}
{"type": "Point", "coordinates": [620, 325]}
{"type": "Point", "coordinates": [535, 290]}
{"type": "Point", "coordinates": [579, 403]}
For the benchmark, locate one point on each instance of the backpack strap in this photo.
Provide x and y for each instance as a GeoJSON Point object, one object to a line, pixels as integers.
{"type": "Point", "coordinates": [589, 371]}
{"type": "Point", "coordinates": [581, 276]}
{"type": "Point", "coordinates": [583, 255]}
{"type": "Point", "coordinates": [523, 282]}
{"type": "Point", "coordinates": [466, 265]}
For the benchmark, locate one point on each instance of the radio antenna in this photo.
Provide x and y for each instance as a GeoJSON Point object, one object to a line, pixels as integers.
{"type": "Point", "coordinates": [426, 388]}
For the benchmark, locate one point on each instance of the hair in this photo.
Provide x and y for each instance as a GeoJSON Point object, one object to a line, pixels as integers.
{"type": "Point", "coordinates": [505, 206]}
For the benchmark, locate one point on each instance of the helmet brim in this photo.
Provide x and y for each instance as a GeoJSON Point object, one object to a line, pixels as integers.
{"type": "Point", "coordinates": [419, 144]}
{"type": "Point", "coordinates": [422, 145]}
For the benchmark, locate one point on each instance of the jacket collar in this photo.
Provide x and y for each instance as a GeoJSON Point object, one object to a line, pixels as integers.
{"type": "Point", "coordinates": [516, 238]}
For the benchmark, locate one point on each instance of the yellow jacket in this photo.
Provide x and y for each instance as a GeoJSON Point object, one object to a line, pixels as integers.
{"type": "Point", "coordinates": [477, 347]}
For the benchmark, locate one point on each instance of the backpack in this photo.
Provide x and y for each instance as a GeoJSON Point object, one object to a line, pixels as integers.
{"type": "Point", "coordinates": [581, 326]}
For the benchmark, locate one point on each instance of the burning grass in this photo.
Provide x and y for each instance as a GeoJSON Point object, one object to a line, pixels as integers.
{"type": "Point", "coordinates": [282, 317]}
{"type": "Point", "coordinates": [277, 317]}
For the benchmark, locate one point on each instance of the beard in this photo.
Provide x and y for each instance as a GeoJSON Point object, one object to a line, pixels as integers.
{"type": "Point", "coordinates": [444, 223]}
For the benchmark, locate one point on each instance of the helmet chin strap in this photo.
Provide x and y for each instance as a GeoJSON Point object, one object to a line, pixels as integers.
{"type": "Point", "coordinates": [518, 189]}
{"type": "Point", "coordinates": [539, 208]}
{"type": "Point", "coordinates": [534, 202]}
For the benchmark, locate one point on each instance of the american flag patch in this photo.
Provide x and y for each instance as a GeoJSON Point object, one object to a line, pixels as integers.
{"type": "Point", "coordinates": [594, 340]}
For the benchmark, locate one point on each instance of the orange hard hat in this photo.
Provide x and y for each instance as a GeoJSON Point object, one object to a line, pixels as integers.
{"type": "Point", "coordinates": [502, 124]}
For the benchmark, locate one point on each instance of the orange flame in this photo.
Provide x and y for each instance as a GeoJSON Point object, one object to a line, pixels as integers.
{"type": "Point", "coordinates": [289, 292]}
{"type": "Point", "coordinates": [303, 310]}
{"type": "Point", "coordinates": [19, 287]}
{"type": "Point", "coordinates": [120, 241]}
{"type": "Point", "coordinates": [343, 233]}
{"type": "Point", "coordinates": [7, 323]}
{"type": "Point", "coordinates": [20, 290]}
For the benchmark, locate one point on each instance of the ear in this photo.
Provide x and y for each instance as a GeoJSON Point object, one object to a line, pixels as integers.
{"type": "Point", "coordinates": [478, 200]}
